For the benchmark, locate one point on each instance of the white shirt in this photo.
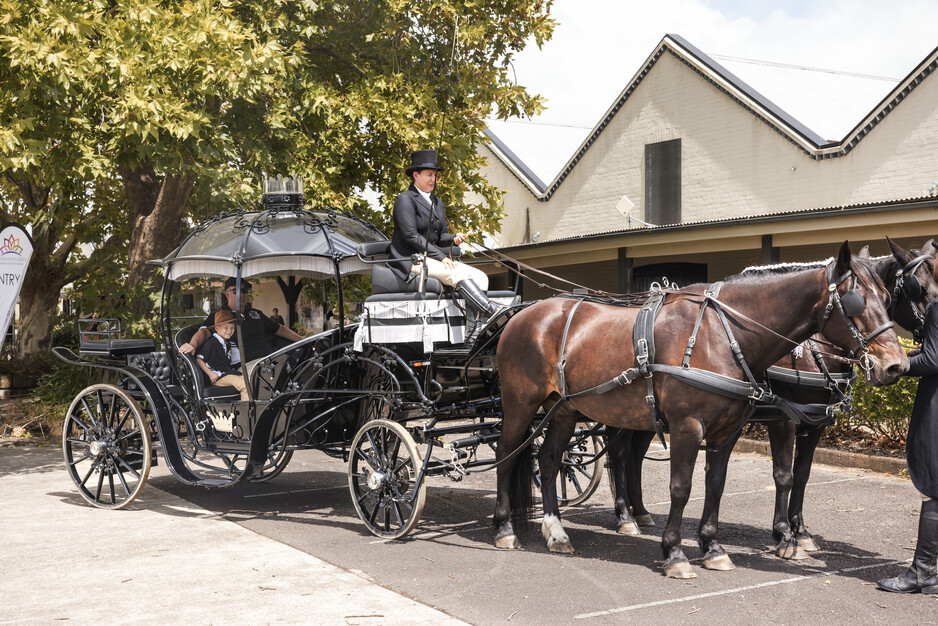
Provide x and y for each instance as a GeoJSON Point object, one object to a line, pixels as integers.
{"type": "Point", "coordinates": [426, 196]}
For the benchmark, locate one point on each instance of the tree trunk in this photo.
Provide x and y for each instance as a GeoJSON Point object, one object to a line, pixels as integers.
{"type": "Point", "coordinates": [157, 206]}
{"type": "Point", "coordinates": [39, 299]}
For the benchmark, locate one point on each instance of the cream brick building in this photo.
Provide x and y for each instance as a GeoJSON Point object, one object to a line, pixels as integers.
{"type": "Point", "coordinates": [727, 176]}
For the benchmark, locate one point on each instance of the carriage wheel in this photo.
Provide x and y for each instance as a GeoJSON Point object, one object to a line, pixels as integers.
{"type": "Point", "coordinates": [382, 471]}
{"type": "Point", "coordinates": [278, 454]}
{"type": "Point", "coordinates": [107, 446]}
{"type": "Point", "coordinates": [579, 475]}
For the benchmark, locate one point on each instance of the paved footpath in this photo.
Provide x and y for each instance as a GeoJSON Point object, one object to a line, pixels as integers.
{"type": "Point", "coordinates": [162, 560]}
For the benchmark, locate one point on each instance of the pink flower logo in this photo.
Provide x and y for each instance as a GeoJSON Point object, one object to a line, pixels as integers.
{"type": "Point", "coordinates": [11, 245]}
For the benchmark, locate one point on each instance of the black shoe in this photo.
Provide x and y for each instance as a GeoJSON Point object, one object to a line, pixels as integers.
{"type": "Point", "coordinates": [922, 575]}
{"type": "Point", "coordinates": [909, 581]}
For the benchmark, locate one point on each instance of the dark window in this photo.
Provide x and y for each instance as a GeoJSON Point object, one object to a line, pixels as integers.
{"type": "Point", "coordinates": [663, 182]}
{"type": "Point", "coordinates": [676, 275]}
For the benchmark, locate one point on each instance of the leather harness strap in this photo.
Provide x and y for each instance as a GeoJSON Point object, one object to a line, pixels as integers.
{"type": "Point", "coordinates": [644, 348]}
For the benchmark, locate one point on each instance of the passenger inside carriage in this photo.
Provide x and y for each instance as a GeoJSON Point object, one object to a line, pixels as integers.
{"type": "Point", "coordinates": [214, 357]}
{"type": "Point", "coordinates": [257, 330]}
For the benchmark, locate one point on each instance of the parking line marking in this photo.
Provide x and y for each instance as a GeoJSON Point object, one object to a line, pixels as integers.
{"type": "Point", "coordinates": [712, 594]}
{"type": "Point", "coordinates": [746, 493]}
{"type": "Point", "coordinates": [284, 493]}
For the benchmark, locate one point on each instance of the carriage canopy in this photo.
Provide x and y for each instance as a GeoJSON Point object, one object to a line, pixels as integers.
{"type": "Point", "coordinates": [272, 242]}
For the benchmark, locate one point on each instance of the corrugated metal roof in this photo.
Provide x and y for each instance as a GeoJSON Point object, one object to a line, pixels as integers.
{"type": "Point", "coordinates": [761, 218]}
{"type": "Point", "coordinates": [828, 102]}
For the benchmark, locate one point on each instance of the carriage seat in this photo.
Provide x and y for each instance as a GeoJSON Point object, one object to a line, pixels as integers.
{"type": "Point", "coordinates": [384, 280]}
{"type": "Point", "coordinates": [101, 336]}
{"type": "Point", "coordinates": [156, 364]}
{"type": "Point", "coordinates": [203, 387]}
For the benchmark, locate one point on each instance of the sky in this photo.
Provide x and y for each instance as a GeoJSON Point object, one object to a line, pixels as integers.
{"type": "Point", "coordinates": [599, 45]}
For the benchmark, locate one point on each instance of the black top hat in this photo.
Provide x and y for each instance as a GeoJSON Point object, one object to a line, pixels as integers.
{"type": "Point", "coordinates": [231, 282]}
{"type": "Point", "coordinates": [423, 160]}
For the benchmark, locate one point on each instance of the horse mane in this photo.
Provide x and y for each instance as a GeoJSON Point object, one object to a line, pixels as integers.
{"type": "Point", "coordinates": [756, 272]}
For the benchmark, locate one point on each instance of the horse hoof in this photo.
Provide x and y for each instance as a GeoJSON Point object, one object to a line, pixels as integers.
{"type": "Point", "coordinates": [681, 569]}
{"type": "Point", "coordinates": [807, 544]}
{"type": "Point", "coordinates": [791, 552]}
{"type": "Point", "coordinates": [628, 528]}
{"type": "Point", "coordinates": [644, 520]}
{"type": "Point", "coordinates": [508, 542]}
{"type": "Point", "coordinates": [560, 546]}
{"type": "Point", "coordinates": [720, 563]}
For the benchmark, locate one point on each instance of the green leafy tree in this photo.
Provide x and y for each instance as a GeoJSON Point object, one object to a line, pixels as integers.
{"type": "Point", "coordinates": [181, 106]}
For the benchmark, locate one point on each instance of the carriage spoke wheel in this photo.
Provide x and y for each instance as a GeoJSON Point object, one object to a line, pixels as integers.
{"type": "Point", "coordinates": [579, 475]}
{"type": "Point", "coordinates": [107, 448]}
{"type": "Point", "coordinates": [278, 454]}
{"type": "Point", "coordinates": [382, 475]}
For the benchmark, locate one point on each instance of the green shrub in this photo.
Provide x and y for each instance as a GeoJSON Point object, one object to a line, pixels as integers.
{"type": "Point", "coordinates": [58, 388]}
{"type": "Point", "coordinates": [884, 411]}
{"type": "Point", "coordinates": [881, 411]}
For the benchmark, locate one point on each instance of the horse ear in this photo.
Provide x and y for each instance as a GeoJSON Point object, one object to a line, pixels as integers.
{"type": "Point", "coordinates": [930, 247]}
{"type": "Point", "coordinates": [843, 259]}
{"type": "Point", "coordinates": [899, 252]}
{"type": "Point", "coordinates": [864, 253]}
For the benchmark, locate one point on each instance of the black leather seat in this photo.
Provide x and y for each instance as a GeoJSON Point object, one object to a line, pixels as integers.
{"type": "Point", "coordinates": [383, 280]}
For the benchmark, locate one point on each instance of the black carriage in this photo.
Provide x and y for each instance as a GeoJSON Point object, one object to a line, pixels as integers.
{"type": "Point", "coordinates": [399, 394]}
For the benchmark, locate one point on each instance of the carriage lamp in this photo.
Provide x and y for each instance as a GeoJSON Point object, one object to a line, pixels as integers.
{"type": "Point", "coordinates": [283, 194]}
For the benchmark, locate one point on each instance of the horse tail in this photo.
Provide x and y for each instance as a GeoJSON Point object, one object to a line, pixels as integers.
{"type": "Point", "coordinates": [521, 488]}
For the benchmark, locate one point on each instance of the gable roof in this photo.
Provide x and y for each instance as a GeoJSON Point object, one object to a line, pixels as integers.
{"type": "Point", "coordinates": [863, 88]}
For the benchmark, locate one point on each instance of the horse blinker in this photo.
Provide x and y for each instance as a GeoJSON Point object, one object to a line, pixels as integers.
{"type": "Point", "coordinates": [853, 303]}
{"type": "Point", "coordinates": [912, 288]}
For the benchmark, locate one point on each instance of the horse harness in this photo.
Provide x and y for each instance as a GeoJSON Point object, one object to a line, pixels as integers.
{"type": "Point", "coordinates": [839, 384]}
{"type": "Point", "coordinates": [909, 286]}
{"type": "Point", "coordinates": [848, 305]}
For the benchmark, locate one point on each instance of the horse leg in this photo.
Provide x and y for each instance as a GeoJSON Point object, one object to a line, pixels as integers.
{"type": "Point", "coordinates": [804, 456]}
{"type": "Point", "coordinates": [782, 442]}
{"type": "Point", "coordinates": [683, 457]}
{"type": "Point", "coordinates": [619, 442]}
{"type": "Point", "coordinates": [714, 556]}
{"type": "Point", "coordinates": [510, 491]}
{"type": "Point", "coordinates": [556, 439]}
{"type": "Point", "coordinates": [641, 441]}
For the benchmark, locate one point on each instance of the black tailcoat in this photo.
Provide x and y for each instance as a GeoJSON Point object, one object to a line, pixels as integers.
{"type": "Point", "coordinates": [412, 216]}
{"type": "Point", "coordinates": [921, 446]}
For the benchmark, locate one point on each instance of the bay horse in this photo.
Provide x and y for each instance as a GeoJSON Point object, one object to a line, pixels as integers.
{"type": "Point", "coordinates": [546, 351]}
{"type": "Point", "coordinates": [910, 279]}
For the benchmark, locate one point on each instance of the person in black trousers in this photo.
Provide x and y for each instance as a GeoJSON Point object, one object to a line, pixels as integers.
{"type": "Point", "coordinates": [420, 226]}
{"type": "Point", "coordinates": [922, 457]}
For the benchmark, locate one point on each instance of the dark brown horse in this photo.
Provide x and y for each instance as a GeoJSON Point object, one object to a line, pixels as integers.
{"type": "Point", "coordinates": [546, 354]}
{"type": "Point", "coordinates": [909, 278]}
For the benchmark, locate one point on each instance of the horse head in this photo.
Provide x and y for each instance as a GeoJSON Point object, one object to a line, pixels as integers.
{"type": "Point", "coordinates": [854, 314]}
{"type": "Point", "coordinates": [912, 285]}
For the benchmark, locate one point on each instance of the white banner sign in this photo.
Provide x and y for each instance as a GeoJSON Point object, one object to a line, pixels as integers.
{"type": "Point", "coordinates": [15, 250]}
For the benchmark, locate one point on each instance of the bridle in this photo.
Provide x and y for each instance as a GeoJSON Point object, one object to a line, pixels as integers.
{"type": "Point", "coordinates": [851, 304]}
{"type": "Point", "coordinates": [908, 285]}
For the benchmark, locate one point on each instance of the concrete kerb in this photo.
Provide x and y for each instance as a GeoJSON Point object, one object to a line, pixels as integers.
{"type": "Point", "coordinates": [837, 458]}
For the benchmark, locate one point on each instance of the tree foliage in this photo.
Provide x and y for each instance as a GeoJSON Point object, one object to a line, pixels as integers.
{"type": "Point", "coordinates": [123, 121]}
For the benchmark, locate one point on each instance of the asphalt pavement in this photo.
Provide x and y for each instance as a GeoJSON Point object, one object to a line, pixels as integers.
{"type": "Point", "coordinates": [292, 550]}
{"type": "Point", "coordinates": [162, 560]}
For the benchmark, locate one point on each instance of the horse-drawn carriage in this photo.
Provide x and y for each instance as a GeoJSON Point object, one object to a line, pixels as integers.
{"type": "Point", "coordinates": [399, 394]}
{"type": "Point", "coordinates": [402, 396]}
